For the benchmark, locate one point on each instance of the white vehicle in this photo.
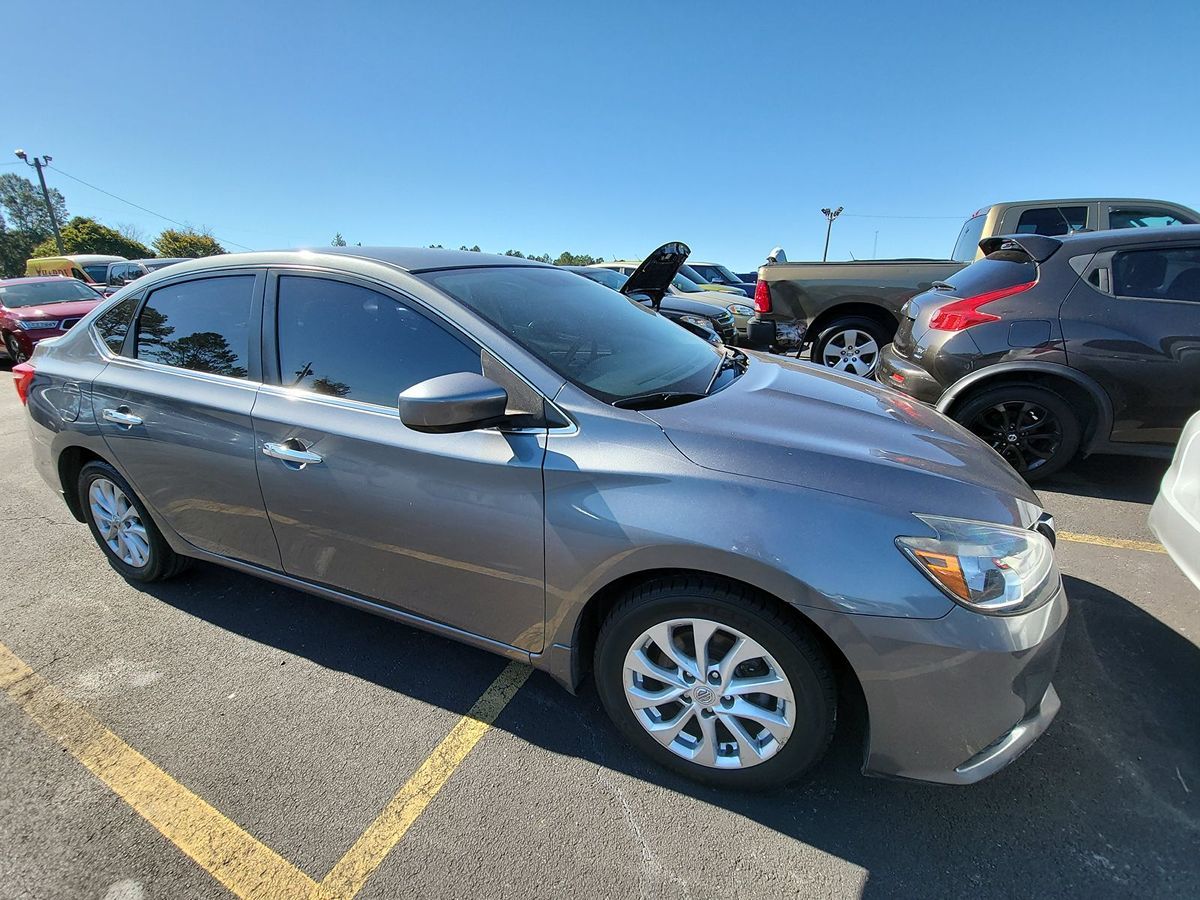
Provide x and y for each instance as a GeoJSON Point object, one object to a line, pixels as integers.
{"type": "Point", "coordinates": [1175, 516]}
{"type": "Point", "coordinates": [738, 307]}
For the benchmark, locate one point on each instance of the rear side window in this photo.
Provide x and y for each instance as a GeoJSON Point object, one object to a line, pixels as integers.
{"type": "Point", "coordinates": [348, 341]}
{"type": "Point", "coordinates": [967, 244]}
{"type": "Point", "coordinates": [1148, 217]}
{"type": "Point", "coordinates": [1169, 274]}
{"type": "Point", "coordinates": [114, 324]}
{"type": "Point", "coordinates": [1052, 220]}
{"type": "Point", "coordinates": [996, 271]}
{"type": "Point", "coordinates": [97, 272]}
{"type": "Point", "coordinates": [202, 325]}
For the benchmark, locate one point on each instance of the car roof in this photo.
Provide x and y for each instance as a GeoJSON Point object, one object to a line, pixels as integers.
{"type": "Point", "coordinates": [1058, 201]}
{"type": "Point", "coordinates": [83, 258]}
{"type": "Point", "coordinates": [1095, 240]}
{"type": "Point", "coordinates": [35, 279]}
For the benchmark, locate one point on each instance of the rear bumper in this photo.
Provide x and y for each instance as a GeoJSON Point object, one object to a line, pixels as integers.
{"type": "Point", "coordinates": [1177, 532]}
{"type": "Point", "coordinates": [902, 374]}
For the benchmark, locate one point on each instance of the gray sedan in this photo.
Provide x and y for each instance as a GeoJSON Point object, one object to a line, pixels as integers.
{"type": "Point", "coordinates": [518, 458]}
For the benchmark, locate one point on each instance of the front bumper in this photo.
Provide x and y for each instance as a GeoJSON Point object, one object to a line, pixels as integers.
{"type": "Point", "coordinates": [953, 700]}
{"type": "Point", "coordinates": [904, 375]}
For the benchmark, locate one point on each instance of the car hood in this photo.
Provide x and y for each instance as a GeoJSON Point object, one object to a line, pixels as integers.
{"type": "Point", "coordinates": [65, 310]}
{"type": "Point", "coordinates": [804, 425]}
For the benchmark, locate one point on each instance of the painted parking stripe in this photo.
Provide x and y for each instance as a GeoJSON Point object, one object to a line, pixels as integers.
{"type": "Point", "coordinates": [1118, 543]}
{"type": "Point", "coordinates": [246, 866]}
{"type": "Point", "coordinates": [351, 872]}
{"type": "Point", "coordinates": [243, 864]}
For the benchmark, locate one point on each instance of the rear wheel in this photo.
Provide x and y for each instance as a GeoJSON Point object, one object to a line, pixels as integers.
{"type": "Point", "coordinates": [851, 345]}
{"type": "Point", "coordinates": [1034, 429]}
{"type": "Point", "coordinates": [716, 683]}
{"type": "Point", "coordinates": [123, 528]}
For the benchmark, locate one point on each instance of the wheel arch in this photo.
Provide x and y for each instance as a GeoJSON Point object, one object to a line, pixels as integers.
{"type": "Point", "coordinates": [71, 461]}
{"type": "Point", "coordinates": [866, 307]}
{"type": "Point", "coordinates": [1081, 391]}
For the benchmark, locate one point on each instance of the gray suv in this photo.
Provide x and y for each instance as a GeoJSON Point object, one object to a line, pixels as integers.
{"type": "Point", "coordinates": [518, 458]}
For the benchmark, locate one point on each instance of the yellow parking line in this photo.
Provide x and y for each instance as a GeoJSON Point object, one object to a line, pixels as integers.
{"type": "Point", "coordinates": [247, 867]}
{"type": "Point", "coordinates": [1101, 541]}
{"type": "Point", "coordinates": [351, 872]}
{"type": "Point", "coordinates": [235, 858]}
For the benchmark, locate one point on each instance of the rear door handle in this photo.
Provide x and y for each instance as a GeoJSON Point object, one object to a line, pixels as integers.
{"type": "Point", "coordinates": [288, 454]}
{"type": "Point", "coordinates": [122, 416]}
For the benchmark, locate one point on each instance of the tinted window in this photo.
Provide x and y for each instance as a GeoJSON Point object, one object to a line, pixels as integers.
{"type": "Point", "coordinates": [39, 293]}
{"type": "Point", "coordinates": [1052, 220]}
{"type": "Point", "coordinates": [1150, 217]}
{"type": "Point", "coordinates": [200, 325]}
{"type": "Point", "coordinates": [608, 345]}
{"type": "Point", "coordinates": [1171, 274]}
{"type": "Point", "coordinates": [349, 341]}
{"type": "Point", "coordinates": [113, 325]}
{"type": "Point", "coordinates": [97, 272]}
{"type": "Point", "coordinates": [967, 244]}
{"type": "Point", "coordinates": [606, 277]}
{"type": "Point", "coordinates": [996, 271]}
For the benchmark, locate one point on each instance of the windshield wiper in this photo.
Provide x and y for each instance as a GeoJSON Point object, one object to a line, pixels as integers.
{"type": "Point", "coordinates": [731, 359]}
{"type": "Point", "coordinates": [657, 399]}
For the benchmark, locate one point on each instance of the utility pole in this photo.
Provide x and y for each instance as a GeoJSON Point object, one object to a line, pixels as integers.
{"type": "Point", "coordinates": [830, 214]}
{"type": "Point", "coordinates": [875, 247]}
{"type": "Point", "coordinates": [37, 163]}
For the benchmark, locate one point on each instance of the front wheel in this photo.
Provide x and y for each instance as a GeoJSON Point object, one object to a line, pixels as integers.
{"type": "Point", "coordinates": [716, 683]}
{"type": "Point", "coordinates": [15, 353]}
{"type": "Point", "coordinates": [851, 345]}
{"type": "Point", "coordinates": [1034, 429]}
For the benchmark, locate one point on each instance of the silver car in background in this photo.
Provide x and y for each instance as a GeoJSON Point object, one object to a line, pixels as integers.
{"type": "Point", "coordinates": [515, 457]}
{"type": "Point", "coordinates": [1175, 516]}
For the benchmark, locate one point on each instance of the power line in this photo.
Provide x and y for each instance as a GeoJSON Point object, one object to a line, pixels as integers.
{"type": "Point", "coordinates": [143, 209]}
{"type": "Point", "coordinates": [866, 216]}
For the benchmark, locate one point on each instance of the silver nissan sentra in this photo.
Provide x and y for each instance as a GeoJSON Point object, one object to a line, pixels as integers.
{"type": "Point", "coordinates": [516, 457]}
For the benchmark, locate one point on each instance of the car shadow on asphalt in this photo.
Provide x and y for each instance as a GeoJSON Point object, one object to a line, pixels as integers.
{"type": "Point", "coordinates": [1132, 479]}
{"type": "Point", "coordinates": [1106, 803]}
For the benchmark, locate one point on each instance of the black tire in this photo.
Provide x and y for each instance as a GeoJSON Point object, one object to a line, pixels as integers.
{"type": "Point", "coordinates": [795, 649]}
{"type": "Point", "coordinates": [1047, 430]}
{"type": "Point", "coordinates": [13, 349]}
{"type": "Point", "coordinates": [878, 332]}
{"type": "Point", "coordinates": [162, 562]}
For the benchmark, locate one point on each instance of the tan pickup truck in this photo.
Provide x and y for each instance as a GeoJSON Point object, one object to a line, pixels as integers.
{"type": "Point", "coordinates": [848, 311]}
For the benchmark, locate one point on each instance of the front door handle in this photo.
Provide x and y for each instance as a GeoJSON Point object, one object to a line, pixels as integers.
{"type": "Point", "coordinates": [122, 416]}
{"type": "Point", "coordinates": [296, 455]}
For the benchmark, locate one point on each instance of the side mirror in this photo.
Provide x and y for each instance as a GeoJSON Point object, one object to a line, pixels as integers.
{"type": "Point", "coordinates": [448, 404]}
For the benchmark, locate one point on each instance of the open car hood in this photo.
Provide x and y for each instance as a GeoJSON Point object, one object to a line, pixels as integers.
{"type": "Point", "coordinates": [652, 278]}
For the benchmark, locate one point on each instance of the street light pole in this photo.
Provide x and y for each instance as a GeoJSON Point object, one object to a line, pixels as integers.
{"type": "Point", "coordinates": [37, 163]}
{"type": "Point", "coordinates": [830, 214]}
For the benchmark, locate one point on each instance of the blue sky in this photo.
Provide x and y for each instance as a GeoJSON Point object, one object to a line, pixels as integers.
{"type": "Point", "coordinates": [605, 128]}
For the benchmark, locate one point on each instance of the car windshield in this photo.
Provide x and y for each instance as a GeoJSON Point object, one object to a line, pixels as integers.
{"type": "Point", "coordinates": [606, 277]}
{"type": "Point", "coordinates": [727, 275]}
{"type": "Point", "coordinates": [610, 346]}
{"type": "Point", "coordinates": [691, 274]}
{"type": "Point", "coordinates": [686, 284]}
{"type": "Point", "coordinates": [98, 272]}
{"type": "Point", "coordinates": [43, 293]}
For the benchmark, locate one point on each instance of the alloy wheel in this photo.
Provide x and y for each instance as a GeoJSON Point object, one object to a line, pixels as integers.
{"type": "Point", "coordinates": [852, 351]}
{"type": "Point", "coordinates": [15, 353]}
{"type": "Point", "coordinates": [709, 693]}
{"type": "Point", "coordinates": [1026, 434]}
{"type": "Point", "coordinates": [119, 523]}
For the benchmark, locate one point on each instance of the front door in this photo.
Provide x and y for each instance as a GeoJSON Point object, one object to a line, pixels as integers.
{"type": "Point", "coordinates": [447, 526]}
{"type": "Point", "coordinates": [1132, 323]}
{"type": "Point", "coordinates": [174, 408]}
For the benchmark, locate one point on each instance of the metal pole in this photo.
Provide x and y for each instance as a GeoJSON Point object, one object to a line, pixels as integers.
{"type": "Point", "coordinates": [49, 207]}
{"type": "Point", "coordinates": [828, 229]}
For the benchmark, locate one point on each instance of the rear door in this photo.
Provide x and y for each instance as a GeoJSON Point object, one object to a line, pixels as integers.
{"type": "Point", "coordinates": [447, 526]}
{"type": "Point", "coordinates": [174, 408]}
{"type": "Point", "coordinates": [1132, 323]}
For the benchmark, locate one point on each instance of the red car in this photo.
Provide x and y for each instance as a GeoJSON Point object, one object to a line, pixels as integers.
{"type": "Point", "coordinates": [33, 309]}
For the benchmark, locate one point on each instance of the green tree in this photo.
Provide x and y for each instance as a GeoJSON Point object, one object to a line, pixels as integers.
{"type": "Point", "coordinates": [187, 242]}
{"type": "Point", "coordinates": [84, 235]}
{"type": "Point", "coordinates": [567, 258]}
{"type": "Point", "coordinates": [517, 253]}
{"type": "Point", "coordinates": [474, 249]}
{"type": "Point", "coordinates": [338, 240]}
{"type": "Point", "coordinates": [15, 248]}
{"type": "Point", "coordinates": [203, 351]}
{"type": "Point", "coordinates": [25, 208]}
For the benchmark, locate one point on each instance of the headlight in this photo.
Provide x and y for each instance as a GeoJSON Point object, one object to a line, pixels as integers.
{"type": "Point", "coordinates": [991, 569]}
{"type": "Point", "coordinates": [698, 322]}
{"type": "Point", "coordinates": [740, 309]}
{"type": "Point", "coordinates": [36, 324]}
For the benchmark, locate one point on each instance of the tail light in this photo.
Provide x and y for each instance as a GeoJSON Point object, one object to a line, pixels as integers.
{"type": "Point", "coordinates": [23, 378]}
{"type": "Point", "coordinates": [762, 297]}
{"type": "Point", "coordinates": [964, 313]}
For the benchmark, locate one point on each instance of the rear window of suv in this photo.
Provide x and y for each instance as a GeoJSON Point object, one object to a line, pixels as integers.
{"type": "Point", "coordinates": [996, 271]}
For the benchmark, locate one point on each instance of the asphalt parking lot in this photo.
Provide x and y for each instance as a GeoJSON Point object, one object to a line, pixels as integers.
{"type": "Point", "coordinates": [183, 740]}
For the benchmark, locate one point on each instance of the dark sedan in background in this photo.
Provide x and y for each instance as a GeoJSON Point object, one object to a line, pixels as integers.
{"type": "Point", "coordinates": [1051, 345]}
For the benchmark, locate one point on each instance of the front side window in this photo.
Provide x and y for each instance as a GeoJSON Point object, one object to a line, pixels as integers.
{"type": "Point", "coordinates": [1052, 220]}
{"type": "Point", "coordinates": [113, 325]}
{"type": "Point", "coordinates": [1166, 274]}
{"type": "Point", "coordinates": [1150, 217]}
{"type": "Point", "coordinates": [202, 325]}
{"type": "Point", "coordinates": [608, 345]}
{"type": "Point", "coordinates": [343, 340]}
